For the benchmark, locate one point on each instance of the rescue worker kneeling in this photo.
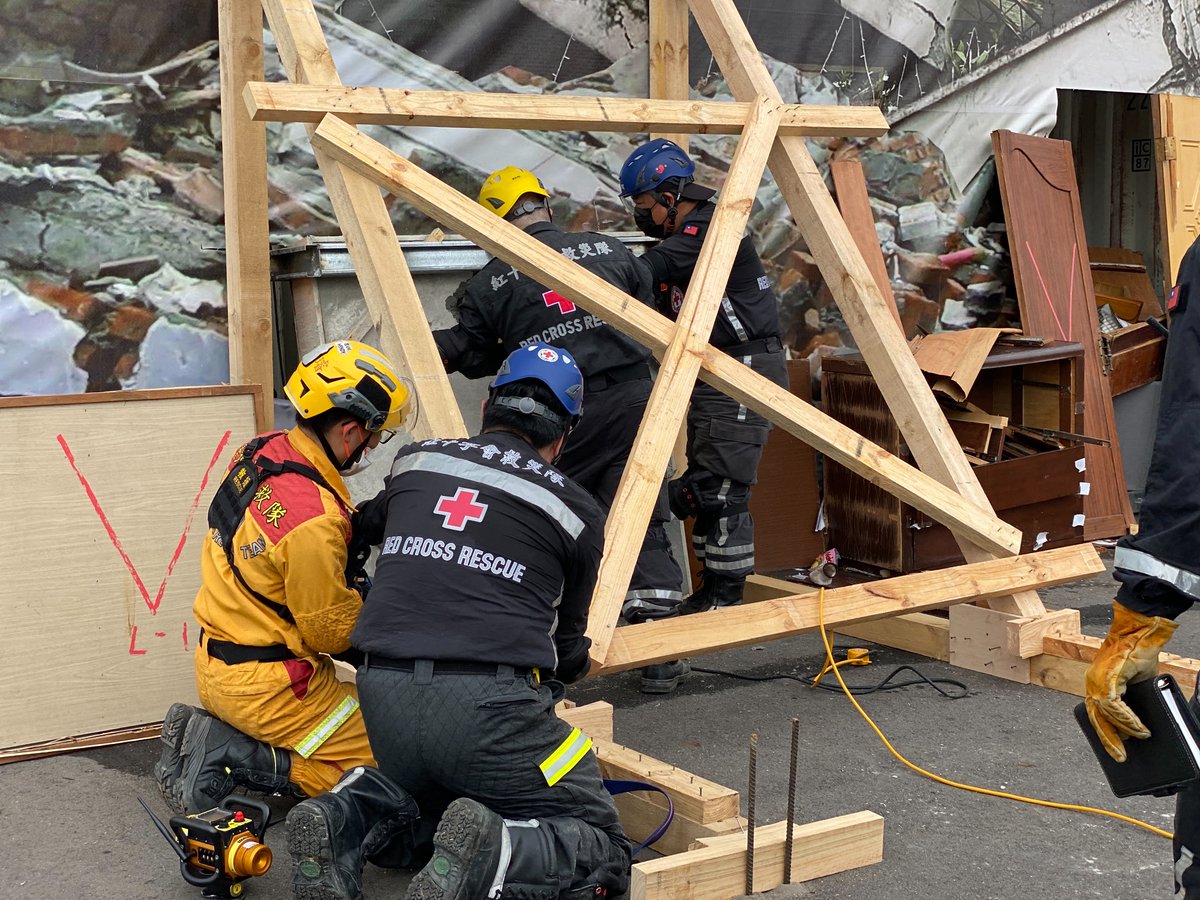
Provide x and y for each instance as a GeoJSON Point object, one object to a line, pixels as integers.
{"type": "Point", "coordinates": [274, 598]}
{"type": "Point", "coordinates": [465, 657]}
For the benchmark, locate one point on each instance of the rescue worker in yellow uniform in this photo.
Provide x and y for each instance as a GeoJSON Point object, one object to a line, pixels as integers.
{"type": "Point", "coordinates": [274, 599]}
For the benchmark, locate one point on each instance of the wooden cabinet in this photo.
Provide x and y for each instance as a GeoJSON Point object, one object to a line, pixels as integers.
{"type": "Point", "coordinates": [1036, 388]}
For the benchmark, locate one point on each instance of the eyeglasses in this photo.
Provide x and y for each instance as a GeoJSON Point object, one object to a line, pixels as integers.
{"type": "Point", "coordinates": [386, 435]}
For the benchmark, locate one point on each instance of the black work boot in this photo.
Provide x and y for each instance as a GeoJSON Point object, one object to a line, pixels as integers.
{"type": "Point", "coordinates": [166, 770]}
{"type": "Point", "coordinates": [329, 836]}
{"type": "Point", "coordinates": [664, 677]}
{"type": "Point", "coordinates": [467, 850]}
{"type": "Point", "coordinates": [217, 759]}
{"type": "Point", "coordinates": [714, 592]}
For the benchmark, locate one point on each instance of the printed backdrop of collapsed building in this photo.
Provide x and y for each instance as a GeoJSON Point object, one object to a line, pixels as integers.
{"type": "Point", "coordinates": [111, 274]}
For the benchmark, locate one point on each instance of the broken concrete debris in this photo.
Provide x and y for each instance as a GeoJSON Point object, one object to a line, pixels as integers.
{"type": "Point", "coordinates": [114, 191]}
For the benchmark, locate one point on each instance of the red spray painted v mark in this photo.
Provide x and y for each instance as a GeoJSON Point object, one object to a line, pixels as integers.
{"type": "Point", "coordinates": [152, 605]}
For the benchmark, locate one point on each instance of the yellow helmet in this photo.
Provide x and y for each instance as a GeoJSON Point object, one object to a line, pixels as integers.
{"type": "Point", "coordinates": [355, 378]}
{"type": "Point", "coordinates": [504, 187]}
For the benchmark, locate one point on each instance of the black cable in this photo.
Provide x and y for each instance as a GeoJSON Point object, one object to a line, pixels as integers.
{"type": "Point", "coordinates": [885, 685]}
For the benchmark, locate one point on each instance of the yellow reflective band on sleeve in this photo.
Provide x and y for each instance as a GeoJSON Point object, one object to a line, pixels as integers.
{"type": "Point", "coordinates": [565, 757]}
{"type": "Point", "coordinates": [319, 735]}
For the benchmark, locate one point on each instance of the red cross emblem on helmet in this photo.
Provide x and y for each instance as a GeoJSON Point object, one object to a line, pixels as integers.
{"type": "Point", "coordinates": [460, 509]}
{"type": "Point", "coordinates": [547, 355]}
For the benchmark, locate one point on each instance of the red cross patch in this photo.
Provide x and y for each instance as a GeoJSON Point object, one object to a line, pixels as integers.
{"type": "Point", "coordinates": [691, 229]}
{"type": "Point", "coordinates": [554, 298]}
{"type": "Point", "coordinates": [548, 355]}
{"type": "Point", "coordinates": [460, 509]}
{"type": "Point", "coordinates": [1173, 299]}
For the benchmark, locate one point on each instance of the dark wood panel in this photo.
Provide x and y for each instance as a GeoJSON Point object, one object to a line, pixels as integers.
{"type": "Point", "coordinates": [1050, 263]}
{"type": "Point", "coordinates": [864, 521]}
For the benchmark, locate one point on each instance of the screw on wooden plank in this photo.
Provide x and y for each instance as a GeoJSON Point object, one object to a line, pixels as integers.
{"type": "Point", "coordinates": [791, 805]}
{"type": "Point", "coordinates": [750, 813]}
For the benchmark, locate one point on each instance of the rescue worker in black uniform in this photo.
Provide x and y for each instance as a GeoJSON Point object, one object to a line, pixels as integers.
{"type": "Point", "coordinates": [475, 620]}
{"type": "Point", "coordinates": [499, 310]}
{"type": "Point", "coordinates": [724, 438]}
{"type": "Point", "coordinates": [1159, 567]}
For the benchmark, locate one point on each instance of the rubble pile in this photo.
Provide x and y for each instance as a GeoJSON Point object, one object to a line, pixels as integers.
{"type": "Point", "coordinates": [111, 203]}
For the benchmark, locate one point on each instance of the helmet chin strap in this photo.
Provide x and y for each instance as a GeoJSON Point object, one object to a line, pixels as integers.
{"type": "Point", "coordinates": [672, 212]}
{"type": "Point", "coordinates": [351, 458]}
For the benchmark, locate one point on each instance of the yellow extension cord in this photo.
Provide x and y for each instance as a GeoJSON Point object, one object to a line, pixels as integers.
{"type": "Point", "coordinates": [938, 778]}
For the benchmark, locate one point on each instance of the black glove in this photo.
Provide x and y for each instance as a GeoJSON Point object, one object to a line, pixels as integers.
{"type": "Point", "coordinates": [574, 667]}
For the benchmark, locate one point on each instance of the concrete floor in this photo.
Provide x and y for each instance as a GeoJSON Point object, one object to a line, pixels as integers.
{"type": "Point", "coordinates": [72, 827]}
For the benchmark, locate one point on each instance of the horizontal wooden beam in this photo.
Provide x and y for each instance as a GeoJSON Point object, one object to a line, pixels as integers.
{"type": "Point", "coordinates": [697, 798]}
{"type": "Point", "coordinates": [716, 870]}
{"type": "Point", "coordinates": [1082, 648]}
{"type": "Point", "coordinates": [275, 102]}
{"type": "Point", "coordinates": [736, 626]}
{"type": "Point", "coordinates": [597, 296]}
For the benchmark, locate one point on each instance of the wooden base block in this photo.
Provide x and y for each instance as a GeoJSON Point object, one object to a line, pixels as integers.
{"type": "Point", "coordinates": [593, 719]}
{"type": "Point", "coordinates": [716, 870]}
{"type": "Point", "coordinates": [979, 642]}
{"type": "Point", "coordinates": [1025, 634]}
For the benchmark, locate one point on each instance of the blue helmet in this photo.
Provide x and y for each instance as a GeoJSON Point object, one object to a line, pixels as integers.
{"type": "Point", "coordinates": [653, 163]}
{"type": "Point", "coordinates": [553, 367]}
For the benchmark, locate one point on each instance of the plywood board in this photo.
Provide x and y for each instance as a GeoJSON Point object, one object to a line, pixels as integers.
{"type": "Point", "coordinates": [1054, 288]}
{"type": "Point", "coordinates": [102, 576]}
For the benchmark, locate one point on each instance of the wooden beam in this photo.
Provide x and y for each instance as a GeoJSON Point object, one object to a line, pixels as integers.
{"type": "Point", "coordinates": [921, 633]}
{"type": "Point", "coordinates": [669, 59]}
{"type": "Point", "coordinates": [383, 275]}
{"type": "Point", "coordinates": [281, 102]}
{"type": "Point", "coordinates": [697, 798]}
{"type": "Point", "coordinates": [717, 869]}
{"type": "Point", "coordinates": [640, 817]}
{"type": "Point", "coordinates": [667, 406]}
{"type": "Point", "coordinates": [866, 312]}
{"type": "Point", "coordinates": [723, 629]}
{"type": "Point", "coordinates": [247, 227]}
{"type": "Point", "coordinates": [532, 258]}
{"type": "Point", "coordinates": [855, 205]}
{"type": "Point", "coordinates": [1082, 648]}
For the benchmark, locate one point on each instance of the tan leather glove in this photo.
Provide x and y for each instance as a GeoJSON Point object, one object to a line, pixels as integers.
{"type": "Point", "coordinates": [1128, 654]}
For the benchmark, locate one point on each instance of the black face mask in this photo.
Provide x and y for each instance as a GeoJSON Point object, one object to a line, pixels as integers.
{"type": "Point", "coordinates": [643, 219]}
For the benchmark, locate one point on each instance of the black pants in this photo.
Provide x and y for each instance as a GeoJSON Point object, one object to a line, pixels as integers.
{"type": "Point", "coordinates": [595, 457]}
{"type": "Point", "coordinates": [445, 736]}
{"type": "Point", "coordinates": [724, 446]}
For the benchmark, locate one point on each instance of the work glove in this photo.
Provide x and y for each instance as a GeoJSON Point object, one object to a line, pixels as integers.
{"type": "Point", "coordinates": [1129, 654]}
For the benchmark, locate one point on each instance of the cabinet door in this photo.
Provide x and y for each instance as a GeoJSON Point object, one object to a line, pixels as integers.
{"type": "Point", "coordinates": [1054, 289]}
{"type": "Point", "coordinates": [1177, 153]}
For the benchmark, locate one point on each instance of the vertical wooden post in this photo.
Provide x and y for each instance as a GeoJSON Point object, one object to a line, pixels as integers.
{"type": "Point", "coordinates": [386, 282]}
{"type": "Point", "coordinates": [669, 56]}
{"type": "Point", "coordinates": [247, 235]}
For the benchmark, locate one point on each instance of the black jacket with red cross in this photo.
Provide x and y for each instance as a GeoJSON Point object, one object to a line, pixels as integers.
{"type": "Point", "coordinates": [499, 310]}
{"type": "Point", "coordinates": [748, 312]}
{"type": "Point", "coordinates": [488, 554]}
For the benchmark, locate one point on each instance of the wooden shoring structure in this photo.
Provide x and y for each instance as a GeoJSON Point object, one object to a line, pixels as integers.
{"type": "Point", "coordinates": [771, 132]}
